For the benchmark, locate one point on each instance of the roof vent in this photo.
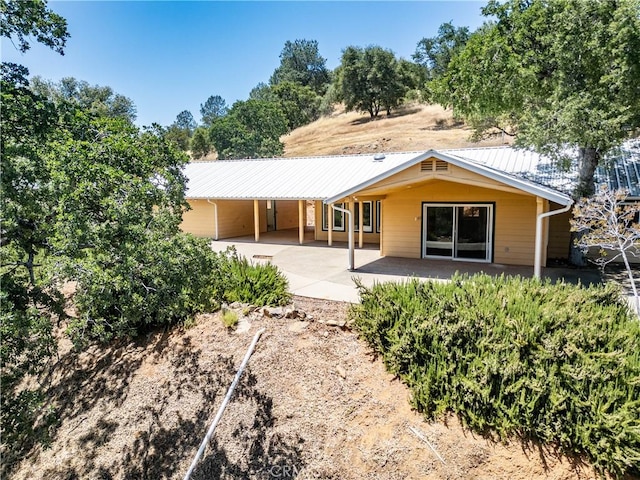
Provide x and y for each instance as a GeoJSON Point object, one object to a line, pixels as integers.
{"type": "Point", "coordinates": [378, 157]}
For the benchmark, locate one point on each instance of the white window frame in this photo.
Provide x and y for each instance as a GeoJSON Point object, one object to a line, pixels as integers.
{"type": "Point", "coordinates": [489, 238]}
{"type": "Point", "coordinates": [338, 217]}
{"type": "Point", "coordinates": [365, 228]}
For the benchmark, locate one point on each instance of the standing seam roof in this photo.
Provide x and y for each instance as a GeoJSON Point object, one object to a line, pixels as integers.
{"type": "Point", "coordinates": [329, 177]}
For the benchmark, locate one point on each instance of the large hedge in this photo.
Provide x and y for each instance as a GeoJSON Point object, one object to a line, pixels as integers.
{"type": "Point", "coordinates": [554, 362]}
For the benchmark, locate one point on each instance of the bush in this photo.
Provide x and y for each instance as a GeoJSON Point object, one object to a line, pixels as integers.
{"type": "Point", "coordinates": [160, 281]}
{"type": "Point", "coordinates": [257, 284]}
{"type": "Point", "coordinates": [229, 318]}
{"type": "Point", "coordinates": [553, 362]}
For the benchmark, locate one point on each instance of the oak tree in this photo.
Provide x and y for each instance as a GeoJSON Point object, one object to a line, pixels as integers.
{"type": "Point", "coordinates": [369, 79]}
{"type": "Point", "coordinates": [561, 76]}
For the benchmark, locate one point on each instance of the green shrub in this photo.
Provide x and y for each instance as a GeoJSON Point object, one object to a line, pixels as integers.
{"type": "Point", "coordinates": [161, 281]}
{"type": "Point", "coordinates": [553, 362]}
{"type": "Point", "coordinates": [257, 284]}
{"type": "Point", "coordinates": [229, 318]}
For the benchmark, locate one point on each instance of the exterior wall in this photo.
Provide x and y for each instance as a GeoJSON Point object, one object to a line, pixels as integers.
{"type": "Point", "coordinates": [199, 220]}
{"type": "Point", "coordinates": [514, 220]}
{"type": "Point", "coordinates": [323, 235]}
{"type": "Point", "coordinates": [559, 235]}
{"type": "Point", "coordinates": [286, 214]}
{"type": "Point", "coordinates": [235, 218]}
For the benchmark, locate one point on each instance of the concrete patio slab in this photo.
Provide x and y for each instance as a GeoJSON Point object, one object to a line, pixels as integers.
{"type": "Point", "coordinates": [319, 271]}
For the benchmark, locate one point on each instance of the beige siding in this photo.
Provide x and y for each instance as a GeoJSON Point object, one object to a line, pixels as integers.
{"type": "Point", "coordinates": [286, 214]}
{"type": "Point", "coordinates": [413, 176]}
{"type": "Point", "coordinates": [199, 220]}
{"type": "Point", "coordinates": [514, 219]}
{"type": "Point", "coordinates": [559, 235]}
{"type": "Point", "coordinates": [235, 218]}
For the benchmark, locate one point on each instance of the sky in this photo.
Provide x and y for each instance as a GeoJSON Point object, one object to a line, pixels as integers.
{"type": "Point", "coordinates": [170, 56]}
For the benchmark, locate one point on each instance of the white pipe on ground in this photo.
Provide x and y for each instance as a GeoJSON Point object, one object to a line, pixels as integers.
{"type": "Point", "coordinates": [352, 263]}
{"type": "Point", "coordinates": [216, 420]}
{"type": "Point", "coordinates": [537, 263]}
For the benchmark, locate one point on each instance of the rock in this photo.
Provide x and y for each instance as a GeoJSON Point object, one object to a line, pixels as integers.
{"type": "Point", "coordinates": [335, 323]}
{"type": "Point", "coordinates": [276, 312]}
{"type": "Point", "coordinates": [298, 327]}
{"type": "Point", "coordinates": [341, 371]}
{"type": "Point", "coordinates": [292, 313]}
{"type": "Point", "coordinates": [244, 325]}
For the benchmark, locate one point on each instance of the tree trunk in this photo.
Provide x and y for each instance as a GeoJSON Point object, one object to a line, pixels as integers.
{"type": "Point", "coordinates": [588, 158]}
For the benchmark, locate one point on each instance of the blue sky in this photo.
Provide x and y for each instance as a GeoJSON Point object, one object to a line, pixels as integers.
{"type": "Point", "coordinates": [171, 56]}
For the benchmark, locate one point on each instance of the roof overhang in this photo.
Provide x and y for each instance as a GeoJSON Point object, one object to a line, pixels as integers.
{"type": "Point", "coordinates": [488, 172]}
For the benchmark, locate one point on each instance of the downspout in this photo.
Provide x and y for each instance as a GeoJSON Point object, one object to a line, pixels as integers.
{"type": "Point", "coordinates": [351, 249]}
{"type": "Point", "coordinates": [537, 263]}
{"type": "Point", "coordinates": [215, 217]}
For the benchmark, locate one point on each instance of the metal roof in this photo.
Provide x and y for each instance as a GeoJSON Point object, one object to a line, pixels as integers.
{"type": "Point", "coordinates": [621, 169]}
{"type": "Point", "coordinates": [307, 178]}
{"type": "Point", "coordinates": [329, 178]}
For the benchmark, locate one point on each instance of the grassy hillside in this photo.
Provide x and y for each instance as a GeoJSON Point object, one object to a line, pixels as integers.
{"type": "Point", "coordinates": [415, 127]}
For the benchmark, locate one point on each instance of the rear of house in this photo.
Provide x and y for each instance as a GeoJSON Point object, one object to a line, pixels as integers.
{"type": "Point", "coordinates": [494, 205]}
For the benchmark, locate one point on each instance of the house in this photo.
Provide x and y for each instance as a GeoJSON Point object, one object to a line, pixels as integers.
{"type": "Point", "coordinates": [495, 205]}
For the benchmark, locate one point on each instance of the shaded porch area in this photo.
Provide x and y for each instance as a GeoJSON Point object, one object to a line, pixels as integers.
{"type": "Point", "coordinates": [317, 270]}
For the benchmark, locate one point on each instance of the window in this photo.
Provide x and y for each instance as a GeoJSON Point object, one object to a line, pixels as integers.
{"type": "Point", "coordinates": [338, 217]}
{"type": "Point", "coordinates": [456, 231]}
{"type": "Point", "coordinates": [367, 221]}
{"type": "Point", "coordinates": [378, 215]}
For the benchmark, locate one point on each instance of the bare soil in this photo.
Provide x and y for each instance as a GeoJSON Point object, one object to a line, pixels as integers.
{"type": "Point", "coordinates": [411, 128]}
{"type": "Point", "coordinates": [312, 403]}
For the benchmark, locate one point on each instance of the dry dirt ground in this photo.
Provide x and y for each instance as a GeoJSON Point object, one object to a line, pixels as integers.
{"type": "Point", "coordinates": [413, 127]}
{"type": "Point", "coordinates": [410, 128]}
{"type": "Point", "coordinates": [313, 403]}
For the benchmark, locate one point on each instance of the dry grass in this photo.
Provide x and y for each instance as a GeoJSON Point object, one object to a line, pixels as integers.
{"type": "Point", "coordinates": [412, 128]}
{"type": "Point", "coordinates": [313, 403]}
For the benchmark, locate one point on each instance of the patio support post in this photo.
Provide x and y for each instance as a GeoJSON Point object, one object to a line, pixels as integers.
{"type": "Point", "coordinates": [256, 219]}
{"type": "Point", "coordinates": [540, 217]}
{"type": "Point", "coordinates": [361, 225]}
{"type": "Point", "coordinates": [379, 215]}
{"type": "Point", "coordinates": [330, 226]}
{"type": "Point", "coordinates": [349, 213]}
{"type": "Point", "coordinates": [301, 221]}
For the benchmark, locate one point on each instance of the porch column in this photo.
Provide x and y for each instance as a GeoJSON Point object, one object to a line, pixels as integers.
{"type": "Point", "coordinates": [541, 238]}
{"type": "Point", "coordinates": [352, 223]}
{"type": "Point", "coordinates": [301, 221]}
{"type": "Point", "coordinates": [256, 220]}
{"type": "Point", "coordinates": [379, 215]}
{"type": "Point", "coordinates": [361, 225]}
{"type": "Point", "coordinates": [330, 224]}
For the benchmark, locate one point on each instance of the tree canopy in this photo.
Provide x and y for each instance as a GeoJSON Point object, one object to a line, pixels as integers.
{"type": "Point", "coordinates": [435, 53]}
{"type": "Point", "coordinates": [185, 121]}
{"type": "Point", "coordinates": [25, 19]}
{"type": "Point", "coordinates": [559, 75]}
{"type": "Point", "coordinates": [200, 144]}
{"type": "Point", "coordinates": [215, 107]}
{"type": "Point", "coordinates": [301, 63]}
{"type": "Point", "coordinates": [369, 79]}
{"type": "Point", "coordinates": [251, 129]}
{"type": "Point", "coordinates": [99, 99]}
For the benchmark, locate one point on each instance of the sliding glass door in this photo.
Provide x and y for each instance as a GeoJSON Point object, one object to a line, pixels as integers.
{"type": "Point", "coordinates": [457, 231]}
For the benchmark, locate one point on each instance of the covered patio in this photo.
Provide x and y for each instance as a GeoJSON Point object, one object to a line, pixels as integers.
{"type": "Point", "coordinates": [317, 270]}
